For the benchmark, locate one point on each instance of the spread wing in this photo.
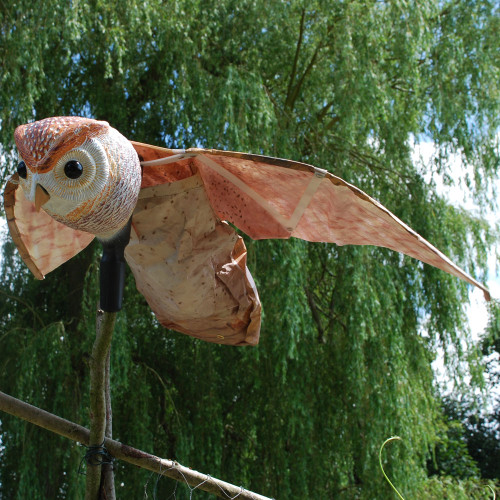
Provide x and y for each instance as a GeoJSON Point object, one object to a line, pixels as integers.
{"type": "Point", "coordinates": [43, 243]}
{"type": "Point", "coordinates": [274, 198]}
{"type": "Point", "coordinates": [191, 267]}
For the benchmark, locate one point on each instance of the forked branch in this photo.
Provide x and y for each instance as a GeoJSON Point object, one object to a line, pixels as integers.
{"type": "Point", "coordinates": [168, 468]}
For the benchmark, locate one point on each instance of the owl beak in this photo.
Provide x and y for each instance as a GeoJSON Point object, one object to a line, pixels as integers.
{"type": "Point", "coordinates": [41, 197]}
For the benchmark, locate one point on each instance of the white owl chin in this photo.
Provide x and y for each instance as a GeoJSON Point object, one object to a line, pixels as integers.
{"type": "Point", "coordinates": [92, 187]}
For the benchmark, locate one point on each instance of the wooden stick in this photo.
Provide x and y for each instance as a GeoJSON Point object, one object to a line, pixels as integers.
{"type": "Point", "coordinates": [108, 476]}
{"type": "Point", "coordinates": [126, 453]}
{"type": "Point", "coordinates": [98, 418]}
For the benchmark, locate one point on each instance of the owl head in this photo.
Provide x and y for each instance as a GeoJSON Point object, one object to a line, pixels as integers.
{"type": "Point", "coordinates": [82, 172]}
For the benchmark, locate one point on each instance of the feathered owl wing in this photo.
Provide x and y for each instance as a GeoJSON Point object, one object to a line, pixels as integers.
{"type": "Point", "coordinates": [43, 243]}
{"type": "Point", "coordinates": [274, 198]}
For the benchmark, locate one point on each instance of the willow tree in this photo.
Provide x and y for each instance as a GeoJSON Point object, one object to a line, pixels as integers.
{"type": "Point", "coordinates": [348, 333]}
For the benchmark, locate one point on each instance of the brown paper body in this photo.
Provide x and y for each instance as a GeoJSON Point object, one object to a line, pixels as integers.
{"type": "Point", "coordinates": [191, 267]}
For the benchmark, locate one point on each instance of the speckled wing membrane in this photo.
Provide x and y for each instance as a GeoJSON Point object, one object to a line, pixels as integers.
{"type": "Point", "coordinates": [43, 243]}
{"type": "Point", "coordinates": [274, 198]}
{"type": "Point", "coordinates": [191, 267]}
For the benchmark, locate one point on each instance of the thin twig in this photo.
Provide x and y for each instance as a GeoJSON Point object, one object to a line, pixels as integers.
{"type": "Point", "coordinates": [168, 468]}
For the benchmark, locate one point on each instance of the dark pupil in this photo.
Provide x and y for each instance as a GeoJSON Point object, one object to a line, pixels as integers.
{"type": "Point", "coordinates": [73, 169]}
{"type": "Point", "coordinates": [22, 170]}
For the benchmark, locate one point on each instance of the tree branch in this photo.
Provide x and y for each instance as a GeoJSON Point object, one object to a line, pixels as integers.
{"type": "Point", "coordinates": [296, 59]}
{"type": "Point", "coordinates": [293, 91]}
{"type": "Point", "coordinates": [165, 388]}
{"type": "Point", "coordinates": [293, 97]}
{"type": "Point", "coordinates": [98, 415]}
{"type": "Point", "coordinates": [316, 316]}
{"type": "Point", "coordinates": [325, 110]}
{"type": "Point", "coordinates": [107, 474]}
{"type": "Point", "coordinates": [168, 468]}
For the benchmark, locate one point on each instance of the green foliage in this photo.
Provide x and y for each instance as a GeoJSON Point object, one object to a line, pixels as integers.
{"type": "Point", "coordinates": [455, 489]}
{"type": "Point", "coordinates": [343, 361]}
{"type": "Point", "coordinates": [474, 431]}
{"type": "Point", "coordinates": [451, 456]}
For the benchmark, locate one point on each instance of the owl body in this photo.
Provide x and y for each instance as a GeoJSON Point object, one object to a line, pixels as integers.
{"type": "Point", "coordinates": [189, 264]}
{"type": "Point", "coordinates": [101, 198]}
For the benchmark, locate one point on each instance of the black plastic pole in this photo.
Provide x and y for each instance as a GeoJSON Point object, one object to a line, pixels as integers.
{"type": "Point", "coordinates": [112, 270]}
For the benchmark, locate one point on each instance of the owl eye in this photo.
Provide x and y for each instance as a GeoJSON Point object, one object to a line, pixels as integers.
{"type": "Point", "coordinates": [73, 169]}
{"type": "Point", "coordinates": [80, 173]}
{"type": "Point", "coordinates": [22, 170]}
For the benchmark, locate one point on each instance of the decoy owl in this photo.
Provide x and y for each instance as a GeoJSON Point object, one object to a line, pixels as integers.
{"type": "Point", "coordinates": [79, 178]}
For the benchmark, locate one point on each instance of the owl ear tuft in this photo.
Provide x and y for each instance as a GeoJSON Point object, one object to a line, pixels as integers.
{"type": "Point", "coordinates": [43, 243]}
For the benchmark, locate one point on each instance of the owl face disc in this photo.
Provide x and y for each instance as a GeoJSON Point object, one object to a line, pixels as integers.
{"type": "Point", "coordinates": [82, 172]}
